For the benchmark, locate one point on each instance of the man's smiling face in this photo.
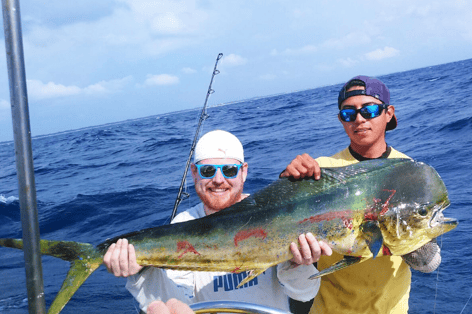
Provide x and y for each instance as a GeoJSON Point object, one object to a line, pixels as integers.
{"type": "Point", "coordinates": [218, 192]}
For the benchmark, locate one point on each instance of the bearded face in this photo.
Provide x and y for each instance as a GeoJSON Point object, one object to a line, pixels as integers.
{"type": "Point", "coordinates": [219, 192]}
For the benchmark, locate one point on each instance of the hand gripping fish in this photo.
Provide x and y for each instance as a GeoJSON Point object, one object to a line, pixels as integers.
{"type": "Point", "coordinates": [389, 205]}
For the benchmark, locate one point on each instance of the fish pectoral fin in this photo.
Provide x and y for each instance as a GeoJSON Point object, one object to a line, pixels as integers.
{"type": "Point", "coordinates": [373, 236]}
{"type": "Point", "coordinates": [345, 262]}
{"type": "Point", "coordinates": [252, 274]}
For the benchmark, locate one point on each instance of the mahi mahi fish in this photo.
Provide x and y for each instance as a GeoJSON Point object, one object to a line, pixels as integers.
{"type": "Point", "coordinates": [389, 205]}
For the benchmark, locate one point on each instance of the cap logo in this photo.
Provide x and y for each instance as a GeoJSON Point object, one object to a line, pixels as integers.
{"type": "Point", "coordinates": [222, 150]}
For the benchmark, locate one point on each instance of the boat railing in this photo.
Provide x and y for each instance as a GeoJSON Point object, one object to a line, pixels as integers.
{"type": "Point", "coordinates": [233, 307]}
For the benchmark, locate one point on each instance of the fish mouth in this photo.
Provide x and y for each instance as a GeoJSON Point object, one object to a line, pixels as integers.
{"type": "Point", "coordinates": [438, 218]}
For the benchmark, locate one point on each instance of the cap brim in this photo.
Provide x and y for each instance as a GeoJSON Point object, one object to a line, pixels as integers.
{"type": "Point", "coordinates": [392, 124]}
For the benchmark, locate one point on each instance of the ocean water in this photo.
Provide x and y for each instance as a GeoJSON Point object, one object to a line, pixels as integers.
{"type": "Point", "coordinates": [100, 182]}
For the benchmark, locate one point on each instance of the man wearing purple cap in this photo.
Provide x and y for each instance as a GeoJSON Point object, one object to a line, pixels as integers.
{"type": "Point", "coordinates": [380, 285]}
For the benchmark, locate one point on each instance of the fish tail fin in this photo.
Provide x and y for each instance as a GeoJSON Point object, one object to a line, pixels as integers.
{"type": "Point", "coordinates": [83, 257]}
{"type": "Point", "coordinates": [79, 271]}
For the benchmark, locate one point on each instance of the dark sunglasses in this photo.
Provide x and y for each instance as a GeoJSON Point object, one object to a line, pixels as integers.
{"type": "Point", "coordinates": [209, 171]}
{"type": "Point", "coordinates": [367, 112]}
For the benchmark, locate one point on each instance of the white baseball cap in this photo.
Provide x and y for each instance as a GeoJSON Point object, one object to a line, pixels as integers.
{"type": "Point", "coordinates": [219, 144]}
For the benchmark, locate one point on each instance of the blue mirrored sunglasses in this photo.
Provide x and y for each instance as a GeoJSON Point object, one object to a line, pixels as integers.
{"type": "Point", "coordinates": [367, 112]}
{"type": "Point", "coordinates": [229, 171]}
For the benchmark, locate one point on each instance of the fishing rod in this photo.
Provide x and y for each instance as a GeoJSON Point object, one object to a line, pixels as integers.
{"type": "Point", "coordinates": [203, 116]}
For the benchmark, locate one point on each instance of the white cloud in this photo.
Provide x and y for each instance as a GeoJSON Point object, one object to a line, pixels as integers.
{"type": "Point", "coordinates": [108, 86]}
{"type": "Point", "coordinates": [95, 88]}
{"type": "Point", "coordinates": [422, 10]}
{"type": "Point", "coordinates": [268, 77]}
{"type": "Point", "coordinates": [169, 16]}
{"type": "Point", "coordinates": [133, 27]}
{"type": "Point", "coordinates": [351, 39]}
{"type": "Point", "coordinates": [305, 50]}
{"type": "Point", "coordinates": [379, 54]}
{"type": "Point", "coordinates": [233, 60]}
{"type": "Point", "coordinates": [348, 62]}
{"type": "Point", "coordinates": [426, 21]}
{"type": "Point", "coordinates": [308, 49]}
{"type": "Point", "coordinates": [167, 23]}
{"type": "Point", "coordinates": [161, 79]}
{"type": "Point", "coordinates": [39, 90]}
{"type": "Point", "coordinates": [325, 67]}
{"type": "Point", "coordinates": [189, 70]}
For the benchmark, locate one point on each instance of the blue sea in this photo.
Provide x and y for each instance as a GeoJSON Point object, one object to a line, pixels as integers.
{"type": "Point", "coordinates": [103, 181]}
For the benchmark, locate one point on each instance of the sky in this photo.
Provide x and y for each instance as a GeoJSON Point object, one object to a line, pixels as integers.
{"type": "Point", "coordinates": [92, 62]}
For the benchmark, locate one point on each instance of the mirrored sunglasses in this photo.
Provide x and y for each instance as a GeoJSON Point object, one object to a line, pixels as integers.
{"type": "Point", "coordinates": [367, 112]}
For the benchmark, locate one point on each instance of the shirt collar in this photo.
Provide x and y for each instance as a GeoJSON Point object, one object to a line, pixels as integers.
{"type": "Point", "coordinates": [359, 157]}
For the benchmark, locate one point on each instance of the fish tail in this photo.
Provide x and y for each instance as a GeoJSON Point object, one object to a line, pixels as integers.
{"type": "Point", "coordinates": [84, 259]}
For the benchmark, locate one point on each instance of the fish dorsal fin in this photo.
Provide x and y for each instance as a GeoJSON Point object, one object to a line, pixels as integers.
{"type": "Point", "coordinates": [284, 190]}
{"type": "Point", "coordinates": [335, 175]}
{"type": "Point", "coordinates": [344, 173]}
{"type": "Point", "coordinates": [287, 190]}
{"type": "Point", "coordinates": [373, 236]}
{"type": "Point", "coordinates": [345, 262]}
{"type": "Point", "coordinates": [252, 274]}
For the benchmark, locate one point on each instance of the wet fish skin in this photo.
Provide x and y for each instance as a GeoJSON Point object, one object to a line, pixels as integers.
{"type": "Point", "coordinates": [391, 205]}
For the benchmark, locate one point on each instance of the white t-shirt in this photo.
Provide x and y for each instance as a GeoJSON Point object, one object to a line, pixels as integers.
{"type": "Point", "coordinates": [270, 288]}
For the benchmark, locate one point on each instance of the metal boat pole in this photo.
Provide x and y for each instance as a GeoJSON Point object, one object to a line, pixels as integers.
{"type": "Point", "coordinates": [24, 155]}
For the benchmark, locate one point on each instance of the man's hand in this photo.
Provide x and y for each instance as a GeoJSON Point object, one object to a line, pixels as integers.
{"type": "Point", "coordinates": [310, 250]}
{"type": "Point", "coordinates": [120, 259]}
{"type": "Point", "coordinates": [303, 166]}
{"type": "Point", "coordinates": [172, 306]}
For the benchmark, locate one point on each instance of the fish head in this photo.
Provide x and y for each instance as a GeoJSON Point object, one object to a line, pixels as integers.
{"type": "Point", "coordinates": [415, 210]}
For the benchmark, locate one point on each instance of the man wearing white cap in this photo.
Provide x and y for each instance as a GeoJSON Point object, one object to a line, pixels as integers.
{"type": "Point", "coordinates": [219, 173]}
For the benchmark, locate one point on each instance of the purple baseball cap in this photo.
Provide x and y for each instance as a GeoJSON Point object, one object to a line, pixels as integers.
{"type": "Point", "coordinates": [373, 87]}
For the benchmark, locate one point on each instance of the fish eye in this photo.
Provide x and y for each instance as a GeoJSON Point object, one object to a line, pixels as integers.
{"type": "Point", "coordinates": [423, 211]}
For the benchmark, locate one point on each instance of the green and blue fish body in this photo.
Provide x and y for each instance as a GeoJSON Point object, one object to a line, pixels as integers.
{"type": "Point", "coordinates": [394, 205]}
